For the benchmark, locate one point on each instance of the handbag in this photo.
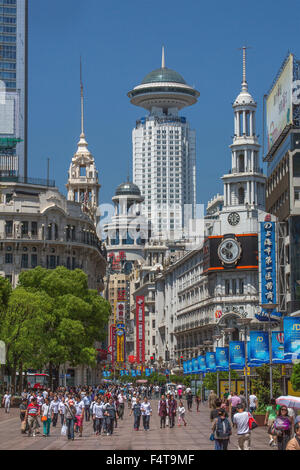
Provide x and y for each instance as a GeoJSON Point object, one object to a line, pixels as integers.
{"type": "Point", "coordinates": [23, 425]}
{"type": "Point", "coordinates": [44, 418]}
{"type": "Point", "coordinates": [252, 423]}
{"type": "Point", "coordinates": [212, 437]}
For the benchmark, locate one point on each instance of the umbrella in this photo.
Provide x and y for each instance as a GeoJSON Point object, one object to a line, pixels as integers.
{"type": "Point", "coordinates": [289, 401]}
{"type": "Point", "coordinates": [179, 386]}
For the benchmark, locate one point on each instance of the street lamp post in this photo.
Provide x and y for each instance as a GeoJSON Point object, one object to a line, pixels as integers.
{"type": "Point", "coordinates": [244, 323]}
{"type": "Point", "coordinates": [270, 308]}
{"type": "Point", "coordinates": [217, 338]}
{"type": "Point", "coordinates": [229, 331]}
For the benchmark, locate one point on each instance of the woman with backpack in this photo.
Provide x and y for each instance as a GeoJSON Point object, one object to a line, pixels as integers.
{"type": "Point", "coordinates": [222, 430]}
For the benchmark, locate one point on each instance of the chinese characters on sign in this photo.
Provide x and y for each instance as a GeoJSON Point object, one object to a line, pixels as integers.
{"type": "Point", "coordinates": [268, 263]}
{"type": "Point", "coordinates": [140, 329]}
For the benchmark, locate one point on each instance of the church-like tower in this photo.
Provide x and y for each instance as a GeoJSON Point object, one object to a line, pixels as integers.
{"type": "Point", "coordinates": [244, 186]}
{"type": "Point", "coordinates": [83, 182]}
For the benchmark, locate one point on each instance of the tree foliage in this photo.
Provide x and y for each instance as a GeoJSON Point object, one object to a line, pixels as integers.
{"type": "Point", "coordinates": [51, 318]}
{"type": "Point", "coordinates": [261, 384]}
{"type": "Point", "coordinates": [295, 378]}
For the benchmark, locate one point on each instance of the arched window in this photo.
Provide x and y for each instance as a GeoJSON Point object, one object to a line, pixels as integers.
{"type": "Point", "coordinates": [241, 163]}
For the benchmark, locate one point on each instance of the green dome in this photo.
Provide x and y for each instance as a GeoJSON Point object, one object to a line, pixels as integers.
{"type": "Point", "coordinates": [128, 189]}
{"type": "Point", "coordinates": [163, 75]}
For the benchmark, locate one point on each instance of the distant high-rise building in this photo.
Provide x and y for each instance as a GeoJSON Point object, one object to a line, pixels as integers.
{"type": "Point", "coordinates": [13, 87]}
{"type": "Point", "coordinates": [164, 150]}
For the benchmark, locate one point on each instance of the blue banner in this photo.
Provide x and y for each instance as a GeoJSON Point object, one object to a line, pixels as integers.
{"type": "Point", "coordinates": [190, 366]}
{"type": "Point", "coordinates": [138, 372]}
{"type": "Point", "coordinates": [126, 372]}
{"type": "Point", "coordinates": [133, 373]}
{"type": "Point", "coordinates": [201, 364]}
{"type": "Point", "coordinates": [122, 373]}
{"type": "Point", "coordinates": [268, 262]}
{"type": "Point", "coordinates": [147, 372]}
{"type": "Point", "coordinates": [222, 359]}
{"type": "Point", "coordinates": [237, 354]}
{"type": "Point", "coordinates": [185, 367]}
{"type": "Point", "coordinates": [291, 328]}
{"type": "Point", "coordinates": [195, 365]}
{"type": "Point", "coordinates": [259, 347]}
{"type": "Point", "coordinates": [278, 348]}
{"type": "Point", "coordinates": [210, 358]}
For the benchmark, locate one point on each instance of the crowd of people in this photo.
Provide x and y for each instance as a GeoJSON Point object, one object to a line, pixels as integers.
{"type": "Point", "coordinates": [233, 411]}
{"type": "Point", "coordinates": [104, 406]}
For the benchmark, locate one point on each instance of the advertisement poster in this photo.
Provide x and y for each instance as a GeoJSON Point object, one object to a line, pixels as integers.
{"type": "Point", "coordinates": [201, 364]}
{"type": "Point", "coordinates": [259, 347]}
{"type": "Point", "coordinates": [140, 329]}
{"type": "Point", "coordinates": [291, 329]}
{"type": "Point", "coordinates": [185, 367]}
{"type": "Point", "coordinates": [195, 365]}
{"type": "Point", "coordinates": [222, 359]}
{"type": "Point", "coordinates": [237, 354]}
{"type": "Point", "coordinates": [279, 103]}
{"type": "Point", "coordinates": [278, 348]}
{"type": "Point", "coordinates": [210, 358]}
{"type": "Point", "coordinates": [268, 262]}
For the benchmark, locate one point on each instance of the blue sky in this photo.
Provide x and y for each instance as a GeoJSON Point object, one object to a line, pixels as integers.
{"type": "Point", "coordinates": [120, 42]}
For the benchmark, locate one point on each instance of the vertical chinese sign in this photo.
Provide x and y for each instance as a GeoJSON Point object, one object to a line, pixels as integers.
{"type": "Point", "coordinates": [140, 329]}
{"type": "Point", "coordinates": [268, 262]}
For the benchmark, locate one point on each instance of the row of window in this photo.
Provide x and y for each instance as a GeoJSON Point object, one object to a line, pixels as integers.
{"type": "Point", "coordinates": [8, 65]}
{"type": "Point", "coordinates": [7, 38]}
{"type": "Point", "coordinates": [31, 261]}
{"type": "Point", "coordinates": [8, 20]}
{"type": "Point", "coordinates": [8, 10]}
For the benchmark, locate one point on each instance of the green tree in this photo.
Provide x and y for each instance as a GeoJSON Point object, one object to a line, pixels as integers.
{"type": "Point", "coordinates": [80, 315]}
{"type": "Point", "coordinates": [295, 377]}
{"type": "Point", "coordinates": [210, 380]}
{"type": "Point", "coordinates": [261, 384]}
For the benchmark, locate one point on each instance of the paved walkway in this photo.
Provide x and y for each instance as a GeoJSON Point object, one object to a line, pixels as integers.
{"type": "Point", "coordinates": [195, 436]}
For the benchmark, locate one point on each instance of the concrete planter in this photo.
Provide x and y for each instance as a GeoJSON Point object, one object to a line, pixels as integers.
{"type": "Point", "coordinates": [260, 419]}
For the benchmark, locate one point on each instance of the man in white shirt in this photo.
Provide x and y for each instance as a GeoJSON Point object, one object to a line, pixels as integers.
{"type": "Point", "coordinates": [54, 410]}
{"type": "Point", "coordinates": [146, 413]}
{"type": "Point", "coordinates": [253, 403]}
{"type": "Point", "coordinates": [98, 415]}
{"type": "Point", "coordinates": [6, 401]}
{"type": "Point", "coordinates": [241, 421]}
{"type": "Point", "coordinates": [121, 400]}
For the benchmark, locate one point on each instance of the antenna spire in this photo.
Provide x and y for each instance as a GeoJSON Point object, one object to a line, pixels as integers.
{"type": "Point", "coordinates": [244, 82]}
{"type": "Point", "coordinates": [163, 63]}
{"type": "Point", "coordinates": [82, 100]}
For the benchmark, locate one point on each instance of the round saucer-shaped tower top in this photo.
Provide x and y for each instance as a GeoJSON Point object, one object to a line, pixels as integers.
{"type": "Point", "coordinates": [163, 88]}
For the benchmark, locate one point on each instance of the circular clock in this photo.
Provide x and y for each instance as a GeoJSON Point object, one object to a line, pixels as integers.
{"type": "Point", "coordinates": [229, 251]}
{"type": "Point", "coordinates": [234, 218]}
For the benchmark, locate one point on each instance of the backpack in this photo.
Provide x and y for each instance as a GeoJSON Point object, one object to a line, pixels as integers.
{"type": "Point", "coordinates": [282, 424]}
{"type": "Point", "coordinates": [223, 428]}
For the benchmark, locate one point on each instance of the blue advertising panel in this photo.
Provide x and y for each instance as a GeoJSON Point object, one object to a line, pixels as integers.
{"type": "Point", "coordinates": [190, 366]}
{"type": "Point", "coordinates": [138, 372]}
{"type": "Point", "coordinates": [259, 347]}
{"type": "Point", "coordinates": [237, 354]}
{"type": "Point", "coordinates": [147, 372]}
{"type": "Point", "coordinates": [201, 364]}
{"type": "Point", "coordinates": [133, 374]}
{"type": "Point", "coordinates": [291, 329]}
{"type": "Point", "coordinates": [222, 359]}
{"type": "Point", "coordinates": [195, 365]}
{"type": "Point", "coordinates": [210, 358]}
{"type": "Point", "coordinates": [185, 367]}
{"type": "Point", "coordinates": [268, 262]}
{"type": "Point", "coordinates": [126, 372]}
{"type": "Point", "coordinates": [121, 373]}
{"type": "Point", "coordinates": [278, 348]}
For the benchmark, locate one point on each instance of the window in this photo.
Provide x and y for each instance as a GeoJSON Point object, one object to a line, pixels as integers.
{"type": "Point", "coordinates": [24, 261]}
{"type": "Point", "coordinates": [241, 196]}
{"type": "Point", "coordinates": [8, 258]}
{"type": "Point", "coordinates": [34, 228]}
{"type": "Point", "coordinates": [24, 226]}
{"type": "Point", "coordinates": [233, 286]}
{"type": "Point", "coordinates": [34, 261]}
{"type": "Point", "coordinates": [227, 287]}
{"type": "Point", "coordinates": [241, 286]}
{"type": "Point", "coordinates": [8, 227]}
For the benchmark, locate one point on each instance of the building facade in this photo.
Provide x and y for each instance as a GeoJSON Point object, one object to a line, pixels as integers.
{"type": "Point", "coordinates": [205, 297]}
{"type": "Point", "coordinates": [13, 87]}
{"type": "Point", "coordinates": [164, 151]}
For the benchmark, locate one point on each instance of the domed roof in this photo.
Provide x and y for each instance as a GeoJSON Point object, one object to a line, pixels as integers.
{"type": "Point", "coordinates": [244, 98]}
{"type": "Point", "coordinates": [128, 189]}
{"type": "Point", "coordinates": [163, 75]}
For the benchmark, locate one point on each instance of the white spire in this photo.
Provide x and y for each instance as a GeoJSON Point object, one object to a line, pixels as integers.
{"type": "Point", "coordinates": [82, 101]}
{"type": "Point", "coordinates": [163, 64]}
{"type": "Point", "coordinates": [244, 83]}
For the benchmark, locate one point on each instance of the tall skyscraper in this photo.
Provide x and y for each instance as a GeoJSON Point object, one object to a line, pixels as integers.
{"type": "Point", "coordinates": [164, 150]}
{"type": "Point", "coordinates": [13, 87]}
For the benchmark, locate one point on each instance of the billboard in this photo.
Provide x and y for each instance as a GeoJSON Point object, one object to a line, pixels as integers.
{"type": "Point", "coordinates": [259, 347]}
{"type": "Point", "coordinates": [222, 359]}
{"type": "Point", "coordinates": [201, 364]}
{"type": "Point", "coordinates": [140, 329]}
{"type": "Point", "coordinates": [278, 348]}
{"type": "Point", "coordinates": [210, 358]}
{"type": "Point", "coordinates": [268, 262]}
{"type": "Point", "coordinates": [291, 328]}
{"type": "Point", "coordinates": [237, 354]}
{"type": "Point", "coordinates": [279, 105]}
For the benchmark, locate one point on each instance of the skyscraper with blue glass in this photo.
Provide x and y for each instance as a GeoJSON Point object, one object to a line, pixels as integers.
{"type": "Point", "coordinates": [13, 87]}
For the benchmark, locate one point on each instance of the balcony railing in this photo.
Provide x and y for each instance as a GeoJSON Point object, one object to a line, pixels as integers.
{"type": "Point", "coordinates": [23, 180]}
